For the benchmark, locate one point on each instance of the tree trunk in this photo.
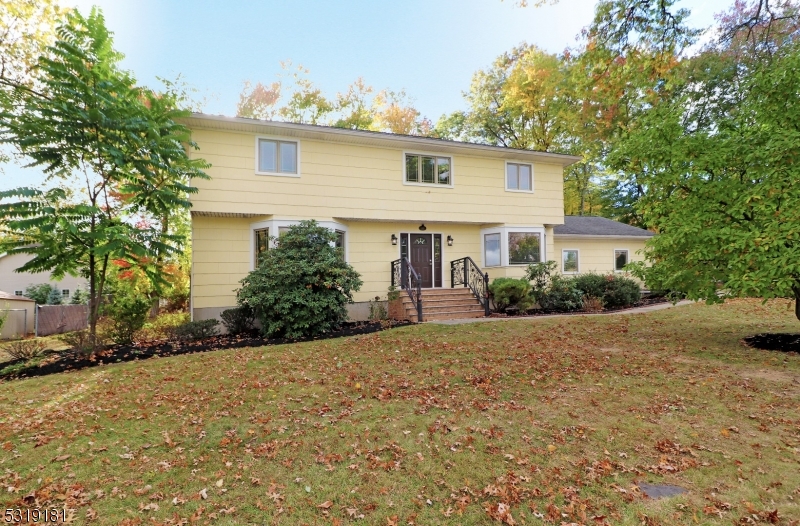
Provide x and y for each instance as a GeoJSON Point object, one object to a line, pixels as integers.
{"type": "Point", "coordinates": [796, 290]}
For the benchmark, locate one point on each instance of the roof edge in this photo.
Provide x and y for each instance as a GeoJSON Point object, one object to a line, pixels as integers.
{"type": "Point", "coordinates": [328, 132]}
{"type": "Point", "coordinates": [602, 236]}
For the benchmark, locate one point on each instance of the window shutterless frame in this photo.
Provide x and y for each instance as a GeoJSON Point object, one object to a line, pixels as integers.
{"type": "Point", "coordinates": [564, 253]}
{"type": "Point", "coordinates": [428, 174]}
{"type": "Point", "coordinates": [617, 253]}
{"type": "Point", "coordinates": [518, 187]}
{"type": "Point", "coordinates": [279, 165]}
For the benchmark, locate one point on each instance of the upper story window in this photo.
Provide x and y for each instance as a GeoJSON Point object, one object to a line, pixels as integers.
{"type": "Point", "coordinates": [65, 293]}
{"type": "Point", "coordinates": [17, 293]}
{"type": "Point", "coordinates": [428, 169]}
{"type": "Point", "coordinates": [277, 157]}
{"type": "Point", "coordinates": [519, 177]}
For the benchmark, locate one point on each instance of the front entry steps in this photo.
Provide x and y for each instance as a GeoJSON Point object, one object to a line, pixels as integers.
{"type": "Point", "coordinates": [444, 304]}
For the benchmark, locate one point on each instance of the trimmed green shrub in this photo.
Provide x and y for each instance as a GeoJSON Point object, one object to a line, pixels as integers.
{"type": "Point", "coordinates": [128, 313]}
{"type": "Point", "coordinates": [301, 286]}
{"type": "Point", "coordinates": [593, 285]}
{"type": "Point", "coordinates": [561, 295]}
{"type": "Point", "coordinates": [511, 293]}
{"type": "Point", "coordinates": [196, 330]}
{"type": "Point", "coordinates": [621, 292]}
{"type": "Point", "coordinates": [238, 320]}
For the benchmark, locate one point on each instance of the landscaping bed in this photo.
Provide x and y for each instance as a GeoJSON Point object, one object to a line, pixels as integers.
{"type": "Point", "coordinates": [644, 302]}
{"type": "Point", "coordinates": [69, 360]}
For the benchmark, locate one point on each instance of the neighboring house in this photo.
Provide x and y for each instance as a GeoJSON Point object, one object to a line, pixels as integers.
{"type": "Point", "coordinates": [17, 282]}
{"type": "Point", "coordinates": [19, 312]}
{"type": "Point", "coordinates": [386, 196]}
{"type": "Point", "coordinates": [597, 244]}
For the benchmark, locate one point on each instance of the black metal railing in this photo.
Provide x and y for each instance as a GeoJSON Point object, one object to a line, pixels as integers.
{"type": "Point", "coordinates": [404, 276]}
{"type": "Point", "coordinates": [465, 272]}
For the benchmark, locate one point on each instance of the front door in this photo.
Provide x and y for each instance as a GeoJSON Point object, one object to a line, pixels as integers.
{"type": "Point", "coordinates": [421, 257]}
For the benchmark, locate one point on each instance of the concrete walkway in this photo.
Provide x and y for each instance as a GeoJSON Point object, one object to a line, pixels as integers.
{"type": "Point", "coordinates": [638, 310]}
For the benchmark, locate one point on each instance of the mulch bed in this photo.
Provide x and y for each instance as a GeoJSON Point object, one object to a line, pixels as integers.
{"type": "Point", "coordinates": [778, 341]}
{"type": "Point", "coordinates": [62, 361]}
{"type": "Point", "coordinates": [641, 303]}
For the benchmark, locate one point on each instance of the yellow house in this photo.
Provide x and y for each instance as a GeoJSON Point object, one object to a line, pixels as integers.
{"type": "Point", "coordinates": [419, 213]}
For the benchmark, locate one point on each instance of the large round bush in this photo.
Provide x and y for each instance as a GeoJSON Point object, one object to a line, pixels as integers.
{"type": "Point", "coordinates": [561, 295]}
{"type": "Point", "coordinates": [592, 285]}
{"type": "Point", "coordinates": [301, 286]}
{"type": "Point", "coordinates": [621, 292]}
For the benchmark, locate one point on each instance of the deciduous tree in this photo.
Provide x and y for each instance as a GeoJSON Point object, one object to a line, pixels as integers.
{"type": "Point", "coordinates": [91, 127]}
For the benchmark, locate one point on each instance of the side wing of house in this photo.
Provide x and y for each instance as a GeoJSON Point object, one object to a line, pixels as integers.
{"type": "Point", "coordinates": [385, 196]}
{"type": "Point", "coordinates": [586, 244]}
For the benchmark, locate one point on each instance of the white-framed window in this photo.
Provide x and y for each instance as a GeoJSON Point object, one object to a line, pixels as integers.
{"type": "Point", "coordinates": [620, 259]}
{"type": "Point", "coordinates": [509, 245]}
{"type": "Point", "coordinates": [340, 243]}
{"type": "Point", "coordinates": [65, 293]}
{"type": "Point", "coordinates": [519, 177]}
{"type": "Point", "coordinates": [570, 261]}
{"type": "Point", "coordinates": [18, 293]}
{"type": "Point", "coordinates": [260, 234]}
{"type": "Point", "coordinates": [491, 250]}
{"type": "Point", "coordinates": [261, 240]}
{"type": "Point", "coordinates": [277, 157]}
{"type": "Point", "coordinates": [524, 248]}
{"type": "Point", "coordinates": [427, 169]}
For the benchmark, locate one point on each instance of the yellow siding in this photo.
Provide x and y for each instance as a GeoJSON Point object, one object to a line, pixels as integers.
{"type": "Point", "coordinates": [356, 181]}
{"type": "Point", "coordinates": [220, 258]}
{"type": "Point", "coordinates": [597, 255]}
{"type": "Point", "coordinates": [222, 255]}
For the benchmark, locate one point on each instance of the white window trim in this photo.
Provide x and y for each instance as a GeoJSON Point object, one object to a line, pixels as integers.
{"type": "Point", "coordinates": [429, 154]}
{"type": "Point", "coordinates": [275, 224]}
{"type": "Point", "coordinates": [614, 259]}
{"type": "Point", "coordinates": [505, 177]}
{"type": "Point", "coordinates": [279, 139]}
{"type": "Point", "coordinates": [577, 261]}
{"type": "Point", "coordinates": [504, 231]}
{"type": "Point", "coordinates": [21, 293]}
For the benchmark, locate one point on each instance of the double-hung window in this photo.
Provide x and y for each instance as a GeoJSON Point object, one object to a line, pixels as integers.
{"type": "Point", "coordinates": [277, 157]}
{"type": "Point", "coordinates": [339, 243]}
{"type": "Point", "coordinates": [519, 177]}
{"type": "Point", "coordinates": [428, 169]}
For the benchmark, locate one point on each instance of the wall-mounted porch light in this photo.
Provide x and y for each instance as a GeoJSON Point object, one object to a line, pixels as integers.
{"type": "Point", "coordinates": [423, 227]}
{"type": "Point", "coordinates": [394, 239]}
{"type": "Point", "coordinates": [449, 241]}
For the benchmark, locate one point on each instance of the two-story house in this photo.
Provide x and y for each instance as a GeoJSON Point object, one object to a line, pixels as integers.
{"type": "Point", "coordinates": [389, 198]}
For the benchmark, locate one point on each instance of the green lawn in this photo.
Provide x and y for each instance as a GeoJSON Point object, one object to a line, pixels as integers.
{"type": "Point", "coordinates": [543, 421]}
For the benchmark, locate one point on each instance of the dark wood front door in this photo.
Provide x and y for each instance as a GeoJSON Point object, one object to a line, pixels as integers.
{"type": "Point", "coordinates": [421, 252]}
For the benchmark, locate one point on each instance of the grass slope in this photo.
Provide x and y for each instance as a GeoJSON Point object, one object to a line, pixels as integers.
{"type": "Point", "coordinates": [543, 421]}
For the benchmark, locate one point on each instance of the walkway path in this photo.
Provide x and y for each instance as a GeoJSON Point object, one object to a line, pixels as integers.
{"type": "Point", "coordinates": [638, 310]}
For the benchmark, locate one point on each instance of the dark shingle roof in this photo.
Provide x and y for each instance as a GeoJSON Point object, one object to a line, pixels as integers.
{"type": "Point", "coordinates": [597, 226]}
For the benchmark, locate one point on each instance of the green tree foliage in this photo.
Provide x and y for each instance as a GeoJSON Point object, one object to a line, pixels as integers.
{"type": "Point", "coordinates": [54, 298]}
{"type": "Point", "coordinates": [27, 28]}
{"type": "Point", "coordinates": [79, 297]}
{"type": "Point", "coordinates": [39, 293]}
{"type": "Point", "coordinates": [295, 98]}
{"type": "Point", "coordinates": [301, 287]}
{"type": "Point", "coordinates": [90, 127]}
{"type": "Point", "coordinates": [719, 160]}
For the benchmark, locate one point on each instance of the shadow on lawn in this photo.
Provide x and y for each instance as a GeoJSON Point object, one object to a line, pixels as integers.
{"type": "Point", "coordinates": [778, 341]}
{"type": "Point", "coordinates": [63, 361]}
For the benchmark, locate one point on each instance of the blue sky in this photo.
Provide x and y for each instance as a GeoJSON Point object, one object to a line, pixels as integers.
{"type": "Point", "coordinates": [430, 48]}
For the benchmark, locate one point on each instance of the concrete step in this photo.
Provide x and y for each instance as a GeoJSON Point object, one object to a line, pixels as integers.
{"type": "Point", "coordinates": [429, 309]}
